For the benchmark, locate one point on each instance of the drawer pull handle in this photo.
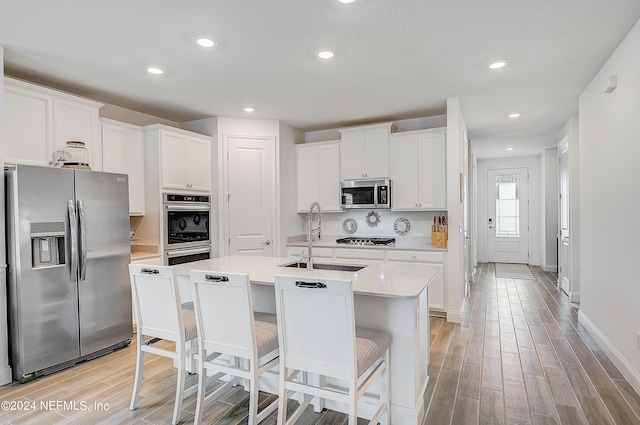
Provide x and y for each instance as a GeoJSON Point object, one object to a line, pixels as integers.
{"type": "Point", "coordinates": [310, 285]}
{"type": "Point", "coordinates": [212, 278]}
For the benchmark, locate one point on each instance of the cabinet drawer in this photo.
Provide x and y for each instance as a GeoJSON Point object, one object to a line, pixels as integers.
{"type": "Point", "coordinates": [415, 256]}
{"type": "Point", "coordinates": [297, 251]}
{"type": "Point", "coordinates": [360, 254]}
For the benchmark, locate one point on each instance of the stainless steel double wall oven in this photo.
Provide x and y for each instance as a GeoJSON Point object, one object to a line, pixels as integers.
{"type": "Point", "coordinates": [187, 235]}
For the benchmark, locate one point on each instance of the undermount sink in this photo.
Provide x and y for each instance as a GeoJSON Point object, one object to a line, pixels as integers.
{"type": "Point", "coordinates": [326, 266]}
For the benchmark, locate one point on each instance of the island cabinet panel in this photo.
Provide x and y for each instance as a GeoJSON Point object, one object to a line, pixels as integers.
{"type": "Point", "coordinates": [418, 170]}
{"type": "Point", "coordinates": [318, 175]}
{"type": "Point", "coordinates": [39, 121]}
{"type": "Point", "coordinates": [389, 297]}
{"type": "Point", "coordinates": [366, 151]}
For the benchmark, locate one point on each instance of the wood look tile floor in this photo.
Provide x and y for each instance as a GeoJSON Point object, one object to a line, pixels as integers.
{"type": "Point", "coordinates": [519, 357]}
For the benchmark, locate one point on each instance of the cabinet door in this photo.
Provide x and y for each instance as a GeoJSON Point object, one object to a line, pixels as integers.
{"type": "Point", "coordinates": [436, 291]}
{"type": "Point", "coordinates": [76, 121]}
{"type": "Point", "coordinates": [376, 152]}
{"type": "Point", "coordinates": [433, 177]}
{"type": "Point", "coordinates": [27, 127]}
{"type": "Point", "coordinates": [307, 176]}
{"type": "Point", "coordinates": [198, 165]}
{"type": "Point", "coordinates": [123, 152]}
{"type": "Point", "coordinates": [404, 172]}
{"type": "Point", "coordinates": [353, 155]}
{"type": "Point", "coordinates": [329, 177]}
{"type": "Point", "coordinates": [173, 158]}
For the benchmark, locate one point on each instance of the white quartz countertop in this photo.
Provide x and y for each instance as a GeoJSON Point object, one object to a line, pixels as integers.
{"type": "Point", "coordinates": [402, 243]}
{"type": "Point", "coordinates": [386, 280]}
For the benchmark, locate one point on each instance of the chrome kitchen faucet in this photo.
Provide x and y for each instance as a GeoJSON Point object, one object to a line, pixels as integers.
{"type": "Point", "coordinates": [310, 230]}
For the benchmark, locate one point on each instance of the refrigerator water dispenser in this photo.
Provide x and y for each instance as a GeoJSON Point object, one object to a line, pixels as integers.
{"type": "Point", "coordinates": [47, 244]}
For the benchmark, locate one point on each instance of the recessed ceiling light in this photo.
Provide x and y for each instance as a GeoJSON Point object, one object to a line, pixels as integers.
{"type": "Point", "coordinates": [154, 70]}
{"type": "Point", "coordinates": [509, 148]}
{"type": "Point", "coordinates": [204, 41]}
{"type": "Point", "coordinates": [325, 54]}
{"type": "Point", "coordinates": [514, 115]}
{"type": "Point", "coordinates": [249, 109]}
{"type": "Point", "coordinates": [346, 1]}
{"type": "Point", "coordinates": [498, 64]}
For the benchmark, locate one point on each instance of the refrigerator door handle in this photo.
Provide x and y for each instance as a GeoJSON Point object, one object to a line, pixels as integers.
{"type": "Point", "coordinates": [73, 230]}
{"type": "Point", "coordinates": [83, 241]}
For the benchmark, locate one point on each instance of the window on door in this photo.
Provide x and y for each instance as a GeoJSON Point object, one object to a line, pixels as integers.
{"type": "Point", "coordinates": [507, 206]}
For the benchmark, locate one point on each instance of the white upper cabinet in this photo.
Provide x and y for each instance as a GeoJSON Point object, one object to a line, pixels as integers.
{"type": "Point", "coordinates": [365, 151]}
{"type": "Point", "coordinates": [123, 152]}
{"type": "Point", "coordinates": [318, 175]}
{"type": "Point", "coordinates": [185, 158]}
{"type": "Point", "coordinates": [418, 170]}
{"type": "Point", "coordinates": [39, 122]}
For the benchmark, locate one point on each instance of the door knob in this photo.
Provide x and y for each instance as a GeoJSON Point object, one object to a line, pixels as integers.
{"type": "Point", "coordinates": [266, 243]}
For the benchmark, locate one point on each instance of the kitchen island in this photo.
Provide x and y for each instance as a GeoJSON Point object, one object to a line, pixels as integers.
{"type": "Point", "coordinates": [392, 297]}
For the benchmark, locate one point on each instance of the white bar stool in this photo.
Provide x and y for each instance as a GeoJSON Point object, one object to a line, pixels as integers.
{"type": "Point", "coordinates": [233, 340]}
{"type": "Point", "coordinates": [317, 334]}
{"type": "Point", "coordinates": [159, 315]}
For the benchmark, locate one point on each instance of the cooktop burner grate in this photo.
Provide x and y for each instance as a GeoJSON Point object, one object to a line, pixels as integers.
{"type": "Point", "coordinates": [366, 241]}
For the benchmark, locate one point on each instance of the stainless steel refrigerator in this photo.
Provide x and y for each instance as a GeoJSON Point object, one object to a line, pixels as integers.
{"type": "Point", "coordinates": [68, 251]}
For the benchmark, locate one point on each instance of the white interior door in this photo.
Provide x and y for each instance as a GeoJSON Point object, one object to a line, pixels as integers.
{"type": "Point", "coordinates": [508, 215]}
{"type": "Point", "coordinates": [250, 194]}
{"type": "Point", "coordinates": [563, 240]}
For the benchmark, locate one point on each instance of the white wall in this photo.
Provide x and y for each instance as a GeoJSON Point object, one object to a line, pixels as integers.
{"type": "Point", "coordinates": [609, 204]}
{"type": "Point", "coordinates": [549, 211]}
{"type": "Point", "coordinates": [290, 220]}
{"type": "Point", "coordinates": [455, 277]}
{"type": "Point", "coordinates": [536, 189]}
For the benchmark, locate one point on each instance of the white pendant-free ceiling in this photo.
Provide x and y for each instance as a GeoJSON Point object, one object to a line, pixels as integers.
{"type": "Point", "coordinates": [393, 59]}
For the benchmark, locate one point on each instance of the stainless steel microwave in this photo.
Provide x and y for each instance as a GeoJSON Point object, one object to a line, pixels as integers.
{"type": "Point", "coordinates": [366, 193]}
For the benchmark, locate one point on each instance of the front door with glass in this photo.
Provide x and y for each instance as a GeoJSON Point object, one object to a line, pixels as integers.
{"type": "Point", "coordinates": [508, 216]}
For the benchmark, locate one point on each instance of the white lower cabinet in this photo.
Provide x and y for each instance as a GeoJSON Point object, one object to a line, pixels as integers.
{"type": "Point", "coordinates": [318, 252]}
{"type": "Point", "coordinates": [437, 287]}
{"type": "Point", "coordinates": [398, 256]}
{"type": "Point", "coordinates": [370, 255]}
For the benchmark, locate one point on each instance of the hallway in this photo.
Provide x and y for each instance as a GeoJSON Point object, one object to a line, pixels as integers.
{"type": "Point", "coordinates": [520, 356]}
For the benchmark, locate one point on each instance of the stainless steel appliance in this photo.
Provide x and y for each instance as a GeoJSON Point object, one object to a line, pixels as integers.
{"type": "Point", "coordinates": [186, 228]}
{"type": "Point", "coordinates": [366, 193]}
{"type": "Point", "coordinates": [367, 241]}
{"type": "Point", "coordinates": [69, 297]}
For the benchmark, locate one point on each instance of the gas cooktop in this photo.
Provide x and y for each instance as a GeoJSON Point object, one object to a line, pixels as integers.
{"type": "Point", "coordinates": [366, 241]}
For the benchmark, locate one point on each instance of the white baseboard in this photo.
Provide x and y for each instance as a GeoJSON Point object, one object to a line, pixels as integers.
{"type": "Point", "coordinates": [550, 269]}
{"type": "Point", "coordinates": [574, 296]}
{"type": "Point", "coordinates": [454, 317]}
{"type": "Point", "coordinates": [5, 376]}
{"type": "Point", "coordinates": [612, 352]}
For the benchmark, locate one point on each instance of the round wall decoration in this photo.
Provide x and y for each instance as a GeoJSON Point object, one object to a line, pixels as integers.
{"type": "Point", "coordinates": [402, 226]}
{"type": "Point", "coordinates": [373, 218]}
{"type": "Point", "coordinates": [350, 226]}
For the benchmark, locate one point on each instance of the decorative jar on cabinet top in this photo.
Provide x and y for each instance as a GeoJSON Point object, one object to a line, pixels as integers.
{"type": "Point", "coordinates": [75, 155]}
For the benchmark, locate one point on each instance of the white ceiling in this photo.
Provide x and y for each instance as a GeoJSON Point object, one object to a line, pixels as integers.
{"type": "Point", "coordinates": [395, 59]}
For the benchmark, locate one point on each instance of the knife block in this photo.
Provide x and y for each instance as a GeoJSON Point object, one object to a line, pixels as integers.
{"type": "Point", "coordinates": [439, 236]}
